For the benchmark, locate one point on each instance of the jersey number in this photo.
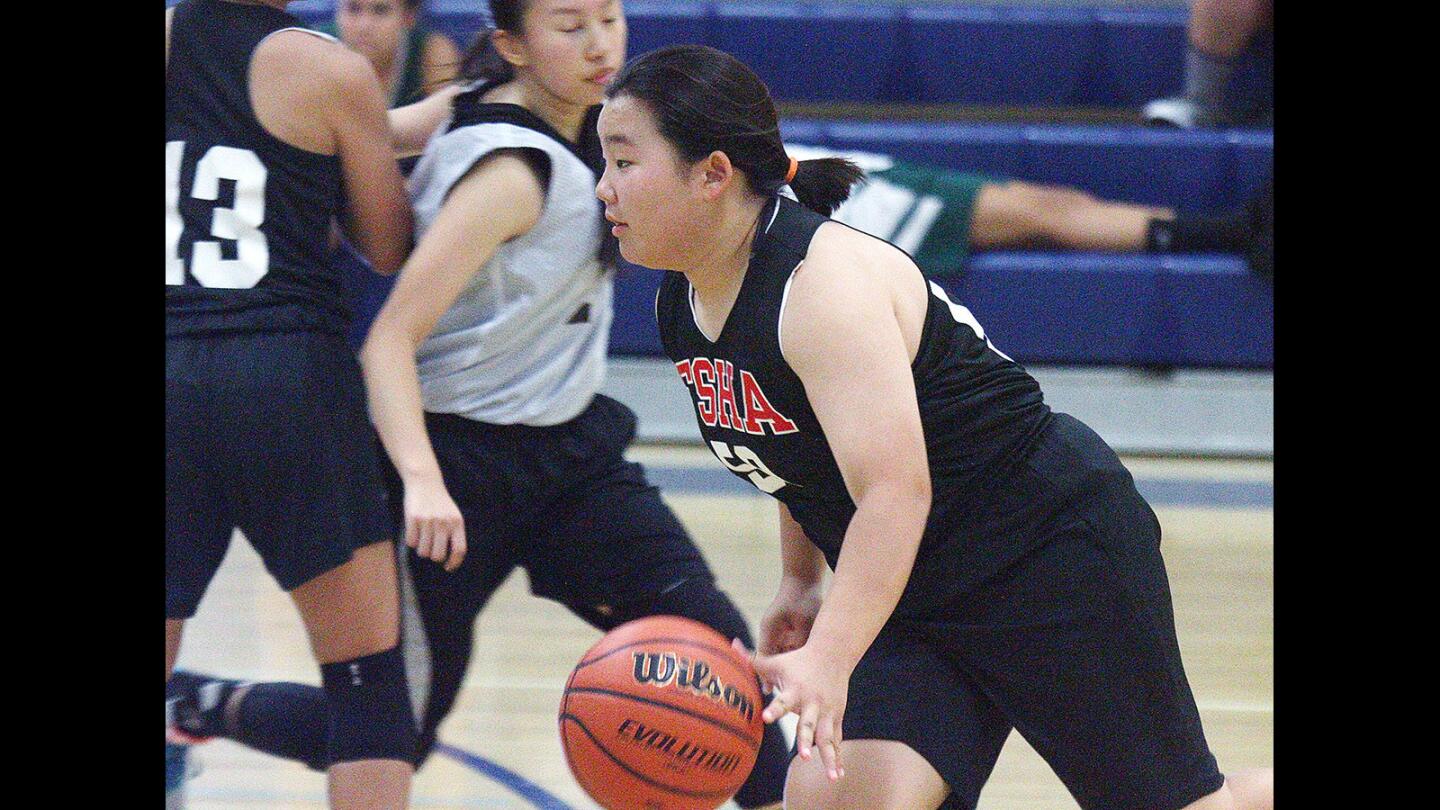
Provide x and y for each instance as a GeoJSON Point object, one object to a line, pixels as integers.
{"type": "Point", "coordinates": [239, 224]}
{"type": "Point", "coordinates": [745, 462]}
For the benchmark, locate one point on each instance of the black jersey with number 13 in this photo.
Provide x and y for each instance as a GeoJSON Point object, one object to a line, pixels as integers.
{"type": "Point", "coordinates": [247, 215]}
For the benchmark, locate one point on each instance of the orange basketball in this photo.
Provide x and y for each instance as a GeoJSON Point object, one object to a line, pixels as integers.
{"type": "Point", "coordinates": [661, 714]}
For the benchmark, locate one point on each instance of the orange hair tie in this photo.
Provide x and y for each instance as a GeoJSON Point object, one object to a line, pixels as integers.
{"type": "Point", "coordinates": [794, 166]}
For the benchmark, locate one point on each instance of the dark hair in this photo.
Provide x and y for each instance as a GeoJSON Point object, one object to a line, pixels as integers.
{"type": "Point", "coordinates": [706, 100]}
{"type": "Point", "coordinates": [481, 60]}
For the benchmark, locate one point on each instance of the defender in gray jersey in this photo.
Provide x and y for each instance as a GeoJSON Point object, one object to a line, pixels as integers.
{"type": "Point", "coordinates": [483, 369]}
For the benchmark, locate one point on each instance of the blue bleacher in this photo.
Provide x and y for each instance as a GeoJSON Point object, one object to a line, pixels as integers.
{"type": "Point", "coordinates": [1198, 170]}
{"type": "Point", "coordinates": [807, 50]}
{"type": "Point", "coordinates": [1200, 311]}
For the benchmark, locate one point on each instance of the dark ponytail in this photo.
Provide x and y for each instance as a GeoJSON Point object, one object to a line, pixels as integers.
{"type": "Point", "coordinates": [481, 61]}
{"type": "Point", "coordinates": [706, 101]}
{"type": "Point", "coordinates": [822, 184]}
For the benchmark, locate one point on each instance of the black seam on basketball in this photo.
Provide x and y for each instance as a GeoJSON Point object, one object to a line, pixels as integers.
{"type": "Point", "coordinates": [699, 794]}
{"type": "Point", "coordinates": [664, 640]}
{"type": "Point", "coordinates": [590, 690]}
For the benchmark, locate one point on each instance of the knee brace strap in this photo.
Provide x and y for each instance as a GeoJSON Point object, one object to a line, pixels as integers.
{"type": "Point", "coordinates": [370, 715]}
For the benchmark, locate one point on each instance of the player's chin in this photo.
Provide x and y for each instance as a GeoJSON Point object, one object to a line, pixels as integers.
{"type": "Point", "coordinates": [630, 250]}
{"type": "Point", "coordinates": [583, 93]}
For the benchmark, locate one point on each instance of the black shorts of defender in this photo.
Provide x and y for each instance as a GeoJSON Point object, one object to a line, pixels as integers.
{"type": "Point", "coordinates": [591, 533]}
{"type": "Point", "coordinates": [267, 433]}
{"type": "Point", "coordinates": [559, 501]}
{"type": "Point", "coordinates": [1072, 643]}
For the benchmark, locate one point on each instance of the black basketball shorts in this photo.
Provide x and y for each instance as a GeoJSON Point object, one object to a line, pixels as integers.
{"type": "Point", "coordinates": [1073, 645]}
{"type": "Point", "coordinates": [267, 433]}
{"type": "Point", "coordinates": [562, 502]}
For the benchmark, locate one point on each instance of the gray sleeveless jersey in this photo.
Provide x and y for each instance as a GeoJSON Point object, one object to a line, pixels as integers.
{"type": "Point", "coordinates": [525, 342]}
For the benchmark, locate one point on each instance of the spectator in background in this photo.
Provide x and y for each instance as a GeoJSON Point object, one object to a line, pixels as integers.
{"type": "Point", "coordinates": [1218, 33]}
{"type": "Point", "coordinates": [411, 60]}
{"type": "Point", "coordinates": [937, 215]}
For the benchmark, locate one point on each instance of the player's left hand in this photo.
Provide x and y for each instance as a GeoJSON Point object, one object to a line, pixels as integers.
{"type": "Point", "coordinates": [805, 682]}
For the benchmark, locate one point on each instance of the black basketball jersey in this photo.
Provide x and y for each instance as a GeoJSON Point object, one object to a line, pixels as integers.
{"type": "Point", "coordinates": [978, 408]}
{"type": "Point", "coordinates": [247, 216]}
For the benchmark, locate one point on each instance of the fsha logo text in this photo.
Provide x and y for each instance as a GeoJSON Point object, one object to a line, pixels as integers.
{"type": "Point", "coordinates": [714, 386]}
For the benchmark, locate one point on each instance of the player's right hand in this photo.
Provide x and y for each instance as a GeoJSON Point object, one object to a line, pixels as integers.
{"type": "Point", "coordinates": [786, 624]}
{"type": "Point", "coordinates": [433, 524]}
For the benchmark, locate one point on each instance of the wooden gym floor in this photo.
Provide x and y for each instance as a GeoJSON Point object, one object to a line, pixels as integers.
{"type": "Point", "coordinates": [503, 750]}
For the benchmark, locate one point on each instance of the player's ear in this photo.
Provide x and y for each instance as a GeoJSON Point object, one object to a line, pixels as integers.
{"type": "Point", "coordinates": [717, 173]}
{"type": "Point", "coordinates": [510, 47]}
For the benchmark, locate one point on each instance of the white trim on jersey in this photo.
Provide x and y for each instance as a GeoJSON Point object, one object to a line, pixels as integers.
{"type": "Point", "coordinates": [962, 315]}
{"type": "Point", "coordinates": [780, 320]}
{"type": "Point", "coordinates": [320, 34]}
{"type": "Point", "coordinates": [694, 317]}
{"type": "Point", "coordinates": [777, 208]}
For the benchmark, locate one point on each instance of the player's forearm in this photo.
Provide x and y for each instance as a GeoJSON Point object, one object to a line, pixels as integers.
{"type": "Point", "coordinates": [393, 385]}
{"type": "Point", "coordinates": [801, 562]}
{"type": "Point", "coordinates": [412, 125]}
{"type": "Point", "coordinates": [871, 574]}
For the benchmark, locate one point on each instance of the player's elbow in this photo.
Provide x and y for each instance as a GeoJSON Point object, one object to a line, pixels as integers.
{"type": "Point", "coordinates": [904, 495]}
{"type": "Point", "coordinates": [388, 251]}
{"type": "Point", "coordinates": [387, 263]}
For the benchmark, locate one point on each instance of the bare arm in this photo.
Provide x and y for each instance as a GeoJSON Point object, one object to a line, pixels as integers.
{"type": "Point", "coordinates": [840, 326]}
{"type": "Point", "coordinates": [801, 561]}
{"type": "Point", "coordinates": [377, 218]}
{"type": "Point", "coordinates": [169, 18]}
{"type": "Point", "coordinates": [499, 199]}
{"type": "Point", "coordinates": [787, 622]}
{"type": "Point", "coordinates": [841, 334]}
{"type": "Point", "coordinates": [412, 125]}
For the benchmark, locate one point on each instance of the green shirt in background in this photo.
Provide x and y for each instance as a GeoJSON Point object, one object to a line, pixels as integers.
{"type": "Point", "coordinates": [923, 210]}
{"type": "Point", "coordinates": [410, 84]}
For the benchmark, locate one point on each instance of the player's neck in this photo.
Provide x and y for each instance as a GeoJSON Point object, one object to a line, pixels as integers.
{"type": "Point", "coordinates": [718, 268]}
{"type": "Point", "coordinates": [564, 116]}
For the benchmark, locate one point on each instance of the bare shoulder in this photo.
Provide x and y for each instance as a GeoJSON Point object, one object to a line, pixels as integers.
{"type": "Point", "coordinates": [848, 282]}
{"type": "Point", "coordinates": [303, 86]}
{"type": "Point", "coordinates": [843, 261]}
{"type": "Point", "coordinates": [325, 62]}
{"type": "Point", "coordinates": [837, 243]}
{"type": "Point", "coordinates": [836, 284]}
{"type": "Point", "coordinates": [504, 186]}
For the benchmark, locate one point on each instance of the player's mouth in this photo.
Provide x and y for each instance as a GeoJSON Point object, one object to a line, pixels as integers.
{"type": "Point", "coordinates": [618, 225]}
{"type": "Point", "coordinates": [601, 78]}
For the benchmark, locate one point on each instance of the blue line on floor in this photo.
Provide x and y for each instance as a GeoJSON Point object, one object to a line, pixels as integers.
{"type": "Point", "coordinates": [1158, 491]}
{"type": "Point", "coordinates": [528, 790]}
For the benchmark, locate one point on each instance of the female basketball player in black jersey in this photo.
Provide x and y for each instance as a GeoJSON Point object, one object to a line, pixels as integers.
{"type": "Point", "coordinates": [270, 131]}
{"type": "Point", "coordinates": [994, 566]}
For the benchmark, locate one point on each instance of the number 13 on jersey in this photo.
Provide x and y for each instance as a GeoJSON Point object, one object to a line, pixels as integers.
{"type": "Point", "coordinates": [240, 223]}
